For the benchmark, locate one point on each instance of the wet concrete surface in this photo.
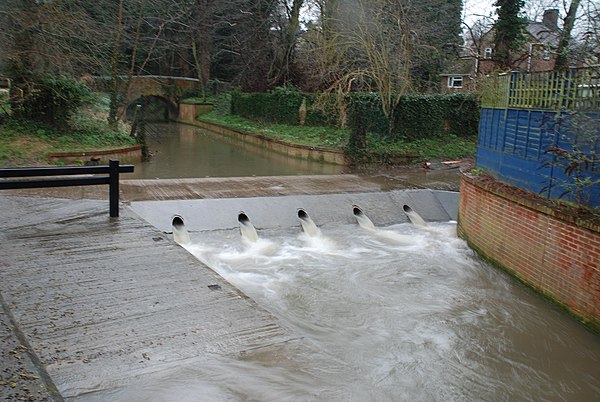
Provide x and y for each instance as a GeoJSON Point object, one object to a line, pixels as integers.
{"type": "Point", "coordinates": [22, 376]}
{"type": "Point", "coordinates": [82, 294]}
{"type": "Point", "coordinates": [101, 301]}
{"type": "Point", "coordinates": [236, 187]}
{"type": "Point", "coordinates": [281, 212]}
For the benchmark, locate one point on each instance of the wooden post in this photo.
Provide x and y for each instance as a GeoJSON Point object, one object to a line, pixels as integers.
{"type": "Point", "coordinates": [113, 188]}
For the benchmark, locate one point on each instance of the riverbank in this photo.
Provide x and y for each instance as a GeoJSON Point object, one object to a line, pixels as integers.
{"type": "Point", "coordinates": [382, 151]}
{"type": "Point", "coordinates": [29, 144]}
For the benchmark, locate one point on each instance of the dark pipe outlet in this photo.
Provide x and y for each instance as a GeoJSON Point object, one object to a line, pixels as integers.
{"type": "Point", "coordinates": [177, 221]}
{"type": "Point", "coordinates": [302, 214]}
{"type": "Point", "coordinates": [243, 218]}
{"type": "Point", "coordinates": [356, 210]}
{"type": "Point", "coordinates": [407, 209]}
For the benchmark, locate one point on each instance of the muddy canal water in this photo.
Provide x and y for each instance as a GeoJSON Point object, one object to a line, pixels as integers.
{"type": "Point", "coordinates": [183, 151]}
{"type": "Point", "coordinates": [383, 319]}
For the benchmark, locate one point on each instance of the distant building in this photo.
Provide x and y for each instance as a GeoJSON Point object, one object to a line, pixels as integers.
{"type": "Point", "coordinates": [461, 77]}
{"type": "Point", "coordinates": [537, 54]}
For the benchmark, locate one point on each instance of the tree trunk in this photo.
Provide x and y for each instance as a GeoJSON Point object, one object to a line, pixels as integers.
{"type": "Point", "coordinates": [291, 35]}
{"type": "Point", "coordinates": [562, 60]}
{"type": "Point", "coordinates": [114, 95]}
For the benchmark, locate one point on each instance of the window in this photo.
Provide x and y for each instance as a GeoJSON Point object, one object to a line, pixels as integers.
{"type": "Point", "coordinates": [546, 53]}
{"type": "Point", "coordinates": [455, 81]}
{"type": "Point", "coordinates": [487, 53]}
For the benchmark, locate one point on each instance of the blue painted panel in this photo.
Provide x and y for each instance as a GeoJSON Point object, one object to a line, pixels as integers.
{"type": "Point", "coordinates": [499, 115]}
{"type": "Point", "coordinates": [488, 159]}
{"type": "Point", "coordinates": [521, 132]}
{"type": "Point", "coordinates": [510, 131]}
{"type": "Point", "coordinates": [485, 127]}
{"type": "Point", "coordinates": [512, 145]}
{"type": "Point", "coordinates": [536, 134]}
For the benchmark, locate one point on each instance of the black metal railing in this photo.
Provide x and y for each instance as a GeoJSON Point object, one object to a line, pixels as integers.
{"type": "Point", "coordinates": [112, 170]}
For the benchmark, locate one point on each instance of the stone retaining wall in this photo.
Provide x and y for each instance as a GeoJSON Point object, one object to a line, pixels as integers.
{"type": "Point", "coordinates": [188, 112]}
{"type": "Point", "coordinates": [281, 147]}
{"type": "Point", "coordinates": [554, 253]}
{"type": "Point", "coordinates": [124, 155]}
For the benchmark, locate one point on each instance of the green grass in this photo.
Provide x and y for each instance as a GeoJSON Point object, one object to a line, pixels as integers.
{"type": "Point", "coordinates": [449, 147]}
{"type": "Point", "coordinates": [27, 143]}
{"type": "Point", "coordinates": [305, 135]}
{"type": "Point", "coordinates": [444, 148]}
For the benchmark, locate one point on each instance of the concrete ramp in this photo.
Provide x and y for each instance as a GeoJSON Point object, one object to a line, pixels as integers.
{"type": "Point", "coordinates": [103, 301]}
{"type": "Point", "coordinates": [383, 208]}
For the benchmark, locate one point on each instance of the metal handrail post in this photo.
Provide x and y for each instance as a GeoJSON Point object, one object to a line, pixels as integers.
{"type": "Point", "coordinates": [113, 184]}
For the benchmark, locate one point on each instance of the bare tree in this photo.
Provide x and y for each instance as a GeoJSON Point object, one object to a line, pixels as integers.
{"type": "Point", "coordinates": [474, 46]}
{"type": "Point", "coordinates": [56, 37]}
{"type": "Point", "coordinates": [288, 28]}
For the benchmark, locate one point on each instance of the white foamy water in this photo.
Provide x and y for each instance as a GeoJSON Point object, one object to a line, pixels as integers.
{"type": "Point", "coordinates": [381, 318]}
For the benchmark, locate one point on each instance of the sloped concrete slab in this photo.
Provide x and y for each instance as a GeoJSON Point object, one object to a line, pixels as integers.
{"type": "Point", "coordinates": [383, 208]}
{"type": "Point", "coordinates": [102, 301]}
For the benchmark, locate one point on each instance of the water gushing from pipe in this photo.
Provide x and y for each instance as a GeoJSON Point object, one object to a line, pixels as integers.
{"type": "Point", "coordinates": [247, 230]}
{"type": "Point", "coordinates": [308, 225]}
{"type": "Point", "coordinates": [180, 233]}
{"type": "Point", "coordinates": [388, 236]}
{"type": "Point", "coordinates": [363, 221]}
{"type": "Point", "coordinates": [414, 217]}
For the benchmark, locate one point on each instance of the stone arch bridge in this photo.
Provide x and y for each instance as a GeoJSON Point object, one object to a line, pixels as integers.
{"type": "Point", "coordinates": [165, 91]}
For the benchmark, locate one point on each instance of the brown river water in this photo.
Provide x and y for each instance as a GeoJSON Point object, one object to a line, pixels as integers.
{"type": "Point", "coordinates": [180, 151]}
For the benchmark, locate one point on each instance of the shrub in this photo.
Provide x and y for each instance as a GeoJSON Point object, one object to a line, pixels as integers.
{"type": "Point", "coordinates": [53, 101]}
{"type": "Point", "coordinates": [278, 106]}
{"type": "Point", "coordinates": [417, 116]}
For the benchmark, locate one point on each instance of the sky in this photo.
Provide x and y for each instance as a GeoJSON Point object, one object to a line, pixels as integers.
{"type": "Point", "coordinates": [474, 9]}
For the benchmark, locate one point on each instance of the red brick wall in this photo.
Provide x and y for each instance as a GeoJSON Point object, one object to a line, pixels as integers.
{"type": "Point", "coordinates": [553, 253]}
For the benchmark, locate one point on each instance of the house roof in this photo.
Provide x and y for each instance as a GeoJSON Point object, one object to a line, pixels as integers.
{"type": "Point", "coordinates": [543, 34]}
{"type": "Point", "coordinates": [459, 67]}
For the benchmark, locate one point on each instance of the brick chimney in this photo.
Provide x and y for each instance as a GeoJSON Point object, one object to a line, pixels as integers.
{"type": "Point", "coordinates": [550, 18]}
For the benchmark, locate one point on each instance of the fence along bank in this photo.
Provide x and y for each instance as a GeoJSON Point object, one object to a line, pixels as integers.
{"type": "Point", "coordinates": [540, 133]}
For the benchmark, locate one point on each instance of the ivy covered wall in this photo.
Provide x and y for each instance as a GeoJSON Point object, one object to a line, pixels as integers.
{"type": "Point", "coordinates": [416, 116]}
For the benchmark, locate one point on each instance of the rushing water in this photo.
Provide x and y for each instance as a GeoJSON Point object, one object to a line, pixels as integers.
{"type": "Point", "coordinates": [386, 320]}
{"type": "Point", "coordinates": [180, 151]}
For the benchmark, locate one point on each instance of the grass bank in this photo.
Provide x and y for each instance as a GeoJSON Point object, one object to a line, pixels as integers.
{"type": "Point", "coordinates": [28, 144]}
{"type": "Point", "coordinates": [442, 148]}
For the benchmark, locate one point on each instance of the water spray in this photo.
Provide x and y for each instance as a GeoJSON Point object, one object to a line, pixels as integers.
{"type": "Point", "coordinates": [414, 217]}
{"type": "Point", "coordinates": [247, 230]}
{"type": "Point", "coordinates": [180, 233]}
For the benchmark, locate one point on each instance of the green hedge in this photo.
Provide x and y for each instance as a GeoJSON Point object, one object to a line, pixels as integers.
{"type": "Point", "coordinates": [417, 116]}
{"type": "Point", "coordinates": [436, 115]}
{"type": "Point", "coordinates": [279, 106]}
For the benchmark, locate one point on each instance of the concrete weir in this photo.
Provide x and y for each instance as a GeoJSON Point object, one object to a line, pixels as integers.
{"type": "Point", "coordinates": [383, 208]}
{"type": "Point", "coordinates": [104, 302]}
